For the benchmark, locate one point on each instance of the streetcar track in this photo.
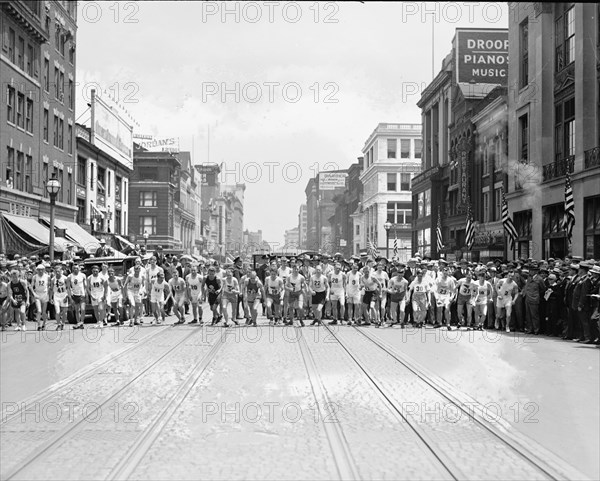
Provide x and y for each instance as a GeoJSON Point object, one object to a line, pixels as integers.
{"type": "Point", "coordinates": [88, 371]}
{"type": "Point", "coordinates": [131, 460]}
{"type": "Point", "coordinates": [64, 433]}
{"type": "Point", "coordinates": [338, 443]}
{"type": "Point", "coordinates": [543, 459]}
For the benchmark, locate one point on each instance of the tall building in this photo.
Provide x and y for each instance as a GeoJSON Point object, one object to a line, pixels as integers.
{"type": "Point", "coordinates": [464, 156]}
{"type": "Point", "coordinates": [392, 157]}
{"type": "Point", "coordinates": [153, 191]}
{"type": "Point", "coordinates": [291, 240]}
{"type": "Point", "coordinates": [37, 119]}
{"type": "Point", "coordinates": [320, 206]}
{"type": "Point", "coordinates": [302, 227]}
{"type": "Point", "coordinates": [210, 191]}
{"type": "Point", "coordinates": [186, 211]}
{"type": "Point", "coordinates": [234, 201]}
{"type": "Point", "coordinates": [347, 204]}
{"type": "Point", "coordinates": [554, 121]}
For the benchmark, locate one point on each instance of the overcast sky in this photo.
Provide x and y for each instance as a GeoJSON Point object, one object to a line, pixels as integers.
{"type": "Point", "coordinates": [327, 73]}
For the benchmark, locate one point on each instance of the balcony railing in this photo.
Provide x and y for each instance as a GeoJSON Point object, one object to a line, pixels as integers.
{"type": "Point", "coordinates": [558, 168]}
{"type": "Point", "coordinates": [592, 158]}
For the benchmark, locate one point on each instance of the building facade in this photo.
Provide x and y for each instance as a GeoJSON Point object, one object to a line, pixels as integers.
{"type": "Point", "coordinates": [186, 211]}
{"type": "Point", "coordinates": [464, 161]}
{"type": "Point", "coordinates": [210, 191]}
{"type": "Point", "coordinates": [153, 190]}
{"type": "Point", "coordinates": [554, 119]}
{"type": "Point", "coordinates": [37, 114]}
{"type": "Point", "coordinates": [291, 239]}
{"type": "Point", "coordinates": [392, 157]}
{"type": "Point", "coordinates": [302, 227]}
{"type": "Point", "coordinates": [347, 204]}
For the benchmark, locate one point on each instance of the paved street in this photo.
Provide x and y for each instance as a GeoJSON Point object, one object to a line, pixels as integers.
{"type": "Point", "coordinates": [183, 402]}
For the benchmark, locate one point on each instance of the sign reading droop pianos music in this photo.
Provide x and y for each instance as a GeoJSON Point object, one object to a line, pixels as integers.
{"type": "Point", "coordinates": [482, 55]}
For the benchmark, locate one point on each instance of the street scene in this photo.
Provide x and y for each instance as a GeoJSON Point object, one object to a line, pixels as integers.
{"type": "Point", "coordinates": [289, 240]}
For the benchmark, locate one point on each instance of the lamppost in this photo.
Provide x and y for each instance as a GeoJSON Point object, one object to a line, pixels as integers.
{"type": "Point", "coordinates": [387, 226]}
{"type": "Point", "coordinates": [146, 240]}
{"type": "Point", "coordinates": [52, 187]}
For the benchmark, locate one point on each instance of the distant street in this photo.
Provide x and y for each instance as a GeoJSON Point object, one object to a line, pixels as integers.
{"type": "Point", "coordinates": [339, 402]}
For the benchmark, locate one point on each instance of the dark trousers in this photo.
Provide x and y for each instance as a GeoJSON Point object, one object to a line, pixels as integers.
{"type": "Point", "coordinates": [584, 320]}
{"type": "Point", "coordinates": [518, 317]}
{"type": "Point", "coordinates": [533, 317]}
{"type": "Point", "coordinates": [552, 318]}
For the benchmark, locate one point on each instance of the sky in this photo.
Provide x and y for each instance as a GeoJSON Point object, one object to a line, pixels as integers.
{"type": "Point", "coordinates": [285, 89]}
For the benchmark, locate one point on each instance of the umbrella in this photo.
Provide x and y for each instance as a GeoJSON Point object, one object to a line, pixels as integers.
{"type": "Point", "coordinates": [186, 257]}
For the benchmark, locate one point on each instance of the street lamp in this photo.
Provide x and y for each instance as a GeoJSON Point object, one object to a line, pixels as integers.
{"type": "Point", "coordinates": [52, 187]}
{"type": "Point", "coordinates": [387, 226]}
{"type": "Point", "coordinates": [145, 240]}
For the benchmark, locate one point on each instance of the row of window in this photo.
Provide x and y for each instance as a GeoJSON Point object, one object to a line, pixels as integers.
{"type": "Point", "coordinates": [19, 109]}
{"type": "Point", "coordinates": [24, 58]}
{"type": "Point", "coordinates": [58, 132]}
{"type": "Point", "coordinates": [102, 180]}
{"type": "Point", "coordinates": [59, 85]}
{"type": "Point", "coordinates": [405, 182]}
{"type": "Point", "coordinates": [392, 150]}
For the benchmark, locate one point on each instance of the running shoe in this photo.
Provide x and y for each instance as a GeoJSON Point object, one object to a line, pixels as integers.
{"type": "Point", "coordinates": [194, 321]}
{"type": "Point", "coordinates": [18, 328]}
{"type": "Point", "coordinates": [333, 323]}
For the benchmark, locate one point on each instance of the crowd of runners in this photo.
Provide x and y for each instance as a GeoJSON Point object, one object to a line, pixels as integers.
{"type": "Point", "coordinates": [553, 297]}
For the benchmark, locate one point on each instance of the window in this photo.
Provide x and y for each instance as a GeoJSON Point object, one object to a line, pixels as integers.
{"type": "Point", "coordinates": [21, 53]}
{"type": "Point", "coordinates": [11, 45]}
{"type": "Point", "coordinates": [117, 221]}
{"type": "Point", "coordinates": [485, 161]}
{"type": "Point", "coordinates": [10, 104]}
{"type": "Point", "coordinates": [45, 126]}
{"type": "Point", "coordinates": [72, 54]}
{"type": "Point", "coordinates": [10, 165]}
{"type": "Point", "coordinates": [57, 37]}
{"type": "Point", "coordinates": [524, 54]}
{"type": "Point", "coordinates": [56, 77]}
{"type": "Point", "coordinates": [101, 178]}
{"type": "Point", "coordinates": [61, 192]}
{"type": "Point", "coordinates": [564, 34]}
{"type": "Point", "coordinates": [148, 173]}
{"type": "Point", "coordinates": [398, 213]}
{"type": "Point", "coordinates": [486, 207]}
{"type": "Point", "coordinates": [553, 235]}
{"type": "Point", "coordinates": [148, 224]}
{"type": "Point", "coordinates": [46, 75]}
{"type": "Point", "coordinates": [404, 148]}
{"type": "Point", "coordinates": [81, 171]}
{"type": "Point", "coordinates": [392, 145]}
{"type": "Point", "coordinates": [391, 182]}
{"type": "Point", "coordinates": [524, 137]}
{"type": "Point", "coordinates": [405, 182]}
{"type": "Point", "coordinates": [29, 116]}
{"type": "Point", "coordinates": [424, 241]}
{"type": "Point", "coordinates": [81, 211]}
{"type": "Point", "coordinates": [418, 148]}
{"type": "Point", "coordinates": [44, 177]}
{"type": "Point", "coordinates": [70, 139]}
{"type": "Point", "coordinates": [118, 182]}
{"type": "Point", "coordinates": [61, 133]}
{"type": "Point", "coordinates": [591, 212]}
{"type": "Point", "coordinates": [497, 204]}
{"type": "Point", "coordinates": [70, 94]}
{"type": "Point", "coordinates": [20, 110]}
{"type": "Point", "coordinates": [28, 173]}
{"type": "Point", "coordinates": [55, 130]}
{"type": "Point", "coordinates": [63, 41]}
{"type": "Point", "coordinates": [564, 128]}
{"type": "Point", "coordinates": [357, 230]}
{"type": "Point", "coordinates": [19, 171]}
{"type": "Point", "coordinates": [30, 60]}
{"type": "Point", "coordinates": [61, 86]}
{"type": "Point", "coordinates": [68, 186]}
{"type": "Point", "coordinates": [148, 199]}
{"type": "Point", "coordinates": [92, 177]}
{"type": "Point", "coordinates": [108, 183]}
{"type": "Point", "coordinates": [125, 192]}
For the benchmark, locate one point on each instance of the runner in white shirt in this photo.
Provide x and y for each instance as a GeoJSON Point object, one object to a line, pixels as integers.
{"type": "Point", "coordinates": [231, 289]}
{"type": "Point", "coordinates": [370, 286]}
{"type": "Point", "coordinates": [420, 288]}
{"type": "Point", "coordinates": [194, 291]}
{"type": "Point", "coordinates": [40, 284]}
{"type": "Point", "coordinates": [383, 279]}
{"type": "Point", "coordinates": [484, 293]}
{"type": "Point", "coordinates": [178, 290]}
{"type": "Point", "coordinates": [98, 292]}
{"type": "Point", "coordinates": [78, 284]}
{"type": "Point", "coordinates": [60, 291]}
{"type": "Point", "coordinates": [115, 296]}
{"type": "Point", "coordinates": [508, 291]}
{"type": "Point", "coordinates": [134, 286]}
{"type": "Point", "coordinates": [283, 273]}
{"type": "Point", "coordinates": [253, 292]}
{"type": "Point", "coordinates": [353, 294]}
{"type": "Point", "coordinates": [296, 286]}
{"type": "Point", "coordinates": [465, 296]}
{"type": "Point", "coordinates": [319, 289]}
{"type": "Point", "coordinates": [397, 288]}
{"type": "Point", "coordinates": [337, 293]}
{"type": "Point", "coordinates": [160, 292]}
{"type": "Point", "coordinates": [445, 290]}
{"type": "Point", "coordinates": [274, 287]}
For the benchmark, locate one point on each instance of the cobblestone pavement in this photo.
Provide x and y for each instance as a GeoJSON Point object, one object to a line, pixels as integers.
{"type": "Point", "coordinates": [254, 403]}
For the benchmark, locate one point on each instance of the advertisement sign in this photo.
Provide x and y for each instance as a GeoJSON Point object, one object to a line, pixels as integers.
{"type": "Point", "coordinates": [482, 55]}
{"type": "Point", "coordinates": [110, 132]}
{"type": "Point", "coordinates": [464, 180]}
{"type": "Point", "coordinates": [159, 144]}
{"type": "Point", "coordinates": [332, 180]}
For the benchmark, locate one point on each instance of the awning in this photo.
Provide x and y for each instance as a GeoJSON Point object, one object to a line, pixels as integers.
{"type": "Point", "coordinates": [78, 234]}
{"type": "Point", "coordinates": [37, 231]}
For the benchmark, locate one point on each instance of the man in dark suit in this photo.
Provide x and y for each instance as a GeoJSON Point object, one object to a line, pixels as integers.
{"type": "Point", "coordinates": [238, 273]}
{"type": "Point", "coordinates": [102, 251]}
{"type": "Point", "coordinates": [462, 271]}
{"type": "Point", "coordinates": [160, 256]}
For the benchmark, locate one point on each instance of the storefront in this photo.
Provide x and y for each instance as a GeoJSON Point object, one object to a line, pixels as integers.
{"type": "Point", "coordinates": [591, 207]}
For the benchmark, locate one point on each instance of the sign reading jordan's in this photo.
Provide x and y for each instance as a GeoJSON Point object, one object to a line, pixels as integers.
{"type": "Point", "coordinates": [481, 55]}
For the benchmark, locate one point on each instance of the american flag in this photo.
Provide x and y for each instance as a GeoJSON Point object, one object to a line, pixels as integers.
{"type": "Point", "coordinates": [372, 249]}
{"type": "Point", "coordinates": [395, 244]}
{"type": "Point", "coordinates": [569, 220]}
{"type": "Point", "coordinates": [470, 230]}
{"type": "Point", "coordinates": [440, 243]}
{"type": "Point", "coordinates": [507, 222]}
